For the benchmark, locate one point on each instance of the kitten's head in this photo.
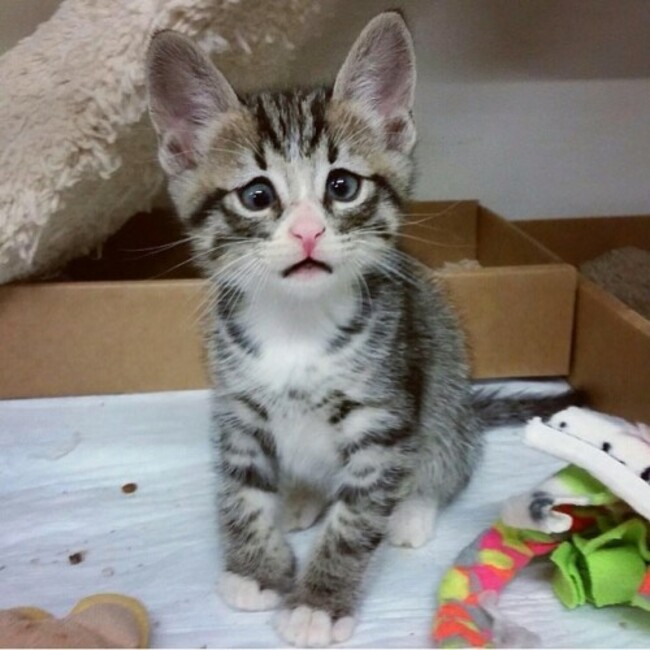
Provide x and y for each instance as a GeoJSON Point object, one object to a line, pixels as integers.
{"type": "Point", "coordinates": [298, 190]}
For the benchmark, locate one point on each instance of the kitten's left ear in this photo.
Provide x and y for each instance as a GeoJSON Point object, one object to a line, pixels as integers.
{"type": "Point", "coordinates": [379, 74]}
{"type": "Point", "coordinates": [186, 93]}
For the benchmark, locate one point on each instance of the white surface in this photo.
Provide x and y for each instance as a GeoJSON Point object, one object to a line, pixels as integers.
{"type": "Point", "coordinates": [62, 465]}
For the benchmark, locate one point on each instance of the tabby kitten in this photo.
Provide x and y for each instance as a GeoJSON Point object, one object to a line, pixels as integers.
{"type": "Point", "coordinates": [342, 378]}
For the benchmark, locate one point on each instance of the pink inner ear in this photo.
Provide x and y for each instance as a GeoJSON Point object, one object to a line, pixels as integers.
{"type": "Point", "coordinates": [186, 92]}
{"type": "Point", "coordinates": [179, 145]}
{"type": "Point", "coordinates": [393, 81]}
{"type": "Point", "coordinates": [180, 154]}
{"type": "Point", "coordinates": [395, 130]}
{"type": "Point", "coordinates": [393, 100]}
{"type": "Point", "coordinates": [380, 69]}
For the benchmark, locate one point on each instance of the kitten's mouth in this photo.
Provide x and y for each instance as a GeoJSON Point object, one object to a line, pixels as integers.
{"type": "Point", "coordinates": [307, 267]}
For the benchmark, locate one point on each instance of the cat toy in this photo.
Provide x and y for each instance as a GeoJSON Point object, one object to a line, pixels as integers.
{"type": "Point", "coordinates": [99, 621]}
{"type": "Point", "coordinates": [592, 519]}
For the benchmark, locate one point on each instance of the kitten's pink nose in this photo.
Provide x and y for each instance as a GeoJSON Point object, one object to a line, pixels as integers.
{"type": "Point", "coordinates": [307, 228]}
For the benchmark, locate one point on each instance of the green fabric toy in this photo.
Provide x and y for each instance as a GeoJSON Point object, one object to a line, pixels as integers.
{"type": "Point", "coordinates": [596, 532]}
{"type": "Point", "coordinates": [607, 569]}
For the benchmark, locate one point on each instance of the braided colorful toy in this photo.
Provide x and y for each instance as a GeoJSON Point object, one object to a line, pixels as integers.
{"type": "Point", "coordinates": [596, 533]}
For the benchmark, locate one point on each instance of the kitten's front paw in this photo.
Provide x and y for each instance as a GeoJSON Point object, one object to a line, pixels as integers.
{"type": "Point", "coordinates": [245, 593]}
{"type": "Point", "coordinates": [313, 628]}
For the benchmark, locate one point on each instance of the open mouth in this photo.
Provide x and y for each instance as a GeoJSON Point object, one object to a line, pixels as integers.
{"type": "Point", "coordinates": [308, 266]}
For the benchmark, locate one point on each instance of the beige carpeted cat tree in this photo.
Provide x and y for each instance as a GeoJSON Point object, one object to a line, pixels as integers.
{"type": "Point", "coordinates": [77, 152]}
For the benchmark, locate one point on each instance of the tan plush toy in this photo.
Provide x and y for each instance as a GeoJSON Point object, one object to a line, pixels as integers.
{"type": "Point", "coordinates": [100, 621]}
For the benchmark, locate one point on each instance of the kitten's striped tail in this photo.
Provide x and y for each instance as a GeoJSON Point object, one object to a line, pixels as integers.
{"type": "Point", "coordinates": [494, 408]}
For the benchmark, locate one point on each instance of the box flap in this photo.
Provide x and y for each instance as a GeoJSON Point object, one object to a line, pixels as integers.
{"type": "Point", "coordinates": [582, 239]}
{"type": "Point", "coordinates": [500, 243]}
{"type": "Point", "coordinates": [506, 341]}
{"type": "Point", "coordinates": [95, 338]}
{"type": "Point", "coordinates": [611, 354]}
{"type": "Point", "coordinates": [437, 232]}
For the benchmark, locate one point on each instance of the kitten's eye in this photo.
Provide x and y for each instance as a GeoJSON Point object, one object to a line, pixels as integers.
{"type": "Point", "coordinates": [257, 195]}
{"type": "Point", "coordinates": [343, 185]}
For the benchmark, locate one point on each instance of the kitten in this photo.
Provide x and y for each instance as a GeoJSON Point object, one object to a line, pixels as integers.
{"type": "Point", "coordinates": [342, 381]}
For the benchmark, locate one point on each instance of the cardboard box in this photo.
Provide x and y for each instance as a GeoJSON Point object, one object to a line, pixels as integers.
{"type": "Point", "coordinates": [611, 345]}
{"type": "Point", "coordinates": [130, 319]}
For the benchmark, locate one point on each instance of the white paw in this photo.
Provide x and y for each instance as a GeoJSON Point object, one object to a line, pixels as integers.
{"type": "Point", "coordinates": [412, 523]}
{"type": "Point", "coordinates": [301, 510]}
{"type": "Point", "coordinates": [245, 593]}
{"type": "Point", "coordinates": [313, 628]}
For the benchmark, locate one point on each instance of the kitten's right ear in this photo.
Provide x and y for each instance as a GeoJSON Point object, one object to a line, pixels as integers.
{"type": "Point", "coordinates": [186, 92]}
{"type": "Point", "coordinates": [379, 74]}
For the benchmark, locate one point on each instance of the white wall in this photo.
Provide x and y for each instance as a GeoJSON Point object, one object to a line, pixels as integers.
{"type": "Point", "coordinates": [535, 107]}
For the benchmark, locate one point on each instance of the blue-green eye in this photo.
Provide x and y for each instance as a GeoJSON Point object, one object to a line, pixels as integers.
{"type": "Point", "coordinates": [343, 185]}
{"type": "Point", "coordinates": [257, 195]}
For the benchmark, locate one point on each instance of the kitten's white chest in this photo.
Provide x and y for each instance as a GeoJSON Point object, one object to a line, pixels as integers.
{"type": "Point", "coordinates": [306, 447]}
{"type": "Point", "coordinates": [296, 370]}
{"type": "Point", "coordinates": [295, 366]}
{"type": "Point", "coordinates": [304, 438]}
{"type": "Point", "coordinates": [293, 341]}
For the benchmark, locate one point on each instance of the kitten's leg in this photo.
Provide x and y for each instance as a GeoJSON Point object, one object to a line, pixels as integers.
{"type": "Point", "coordinates": [320, 609]}
{"type": "Point", "coordinates": [302, 506]}
{"type": "Point", "coordinates": [447, 454]}
{"type": "Point", "coordinates": [413, 521]}
{"type": "Point", "coordinates": [259, 564]}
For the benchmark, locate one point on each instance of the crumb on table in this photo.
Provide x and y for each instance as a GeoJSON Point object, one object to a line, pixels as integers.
{"type": "Point", "coordinates": [129, 488]}
{"type": "Point", "coordinates": [76, 558]}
